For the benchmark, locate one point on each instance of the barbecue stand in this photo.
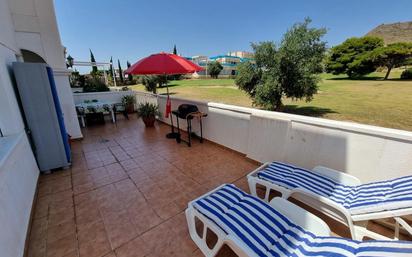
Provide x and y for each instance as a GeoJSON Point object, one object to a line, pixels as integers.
{"type": "Point", "coordinates": [188, 112]}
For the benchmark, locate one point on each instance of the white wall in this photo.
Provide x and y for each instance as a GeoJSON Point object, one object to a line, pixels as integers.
{"type": "Point", "coordinates": [114, 96]}
{"type": "Point", "coordinates": [35, 29]}
{"type": "Point", "coordinates": [18, 180]}
{"type": "Point", "coordinates": [367, 152]}
{"type": "Point", "coordinates": [18, 169]}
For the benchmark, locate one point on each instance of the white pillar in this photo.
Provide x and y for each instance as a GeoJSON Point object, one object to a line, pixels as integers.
{"type": "Point", "coordinates": [67, 103]}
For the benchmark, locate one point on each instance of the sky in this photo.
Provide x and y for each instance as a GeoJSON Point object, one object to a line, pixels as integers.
{"type": "Point", "coordinates": [132, 29]}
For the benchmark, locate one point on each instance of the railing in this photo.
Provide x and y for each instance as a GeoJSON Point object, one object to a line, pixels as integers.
{"type": "Point", "coordinates": [367, 152]}
{"type": "Point", "coordinates": [114, 96]}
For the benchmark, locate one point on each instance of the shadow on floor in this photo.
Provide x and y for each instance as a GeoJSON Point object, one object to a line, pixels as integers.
{"type": "Point", "coordinates": [360, 78]}
{"type": "Point", "coordinates": [374, 78]}
{"type": "Point", "coordinates": [171, 93]}
{"type": "Point", "coordinates": [307, 110]}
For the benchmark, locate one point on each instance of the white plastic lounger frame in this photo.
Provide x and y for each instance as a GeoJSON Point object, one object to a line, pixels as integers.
{"type": "Point", "coordinates": [356, 223]}
{"type": "Point", "coordinates": [296, 214]}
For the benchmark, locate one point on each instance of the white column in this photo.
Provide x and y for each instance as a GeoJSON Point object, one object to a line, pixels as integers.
{"type": "Point", "coordinates": [67, 103]}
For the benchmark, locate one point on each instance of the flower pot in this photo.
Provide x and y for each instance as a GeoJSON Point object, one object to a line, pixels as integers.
{"type": "Point", "coordinates": [130, 108]}
{"type": "Point", "coordinates": [149, 121]}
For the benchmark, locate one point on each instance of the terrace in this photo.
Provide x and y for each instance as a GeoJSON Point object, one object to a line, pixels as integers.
{"type": "Point", "coordinates": [126, 193]}
{"type": "Point", "coordinates": [127, 188]}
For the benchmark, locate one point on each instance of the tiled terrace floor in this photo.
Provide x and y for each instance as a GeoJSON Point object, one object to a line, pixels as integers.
{"type": "Point", "coordinates": [126, 193]}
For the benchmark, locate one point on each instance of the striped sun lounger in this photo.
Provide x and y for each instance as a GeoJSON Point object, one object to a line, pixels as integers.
{"type": "Point", "coordinates": [252, 227]}
{"type": "Point", "coordinates": [341, 196]}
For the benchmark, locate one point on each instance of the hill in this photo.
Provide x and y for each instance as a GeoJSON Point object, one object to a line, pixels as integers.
{"type": "Point", "coordinates": [395, 32]}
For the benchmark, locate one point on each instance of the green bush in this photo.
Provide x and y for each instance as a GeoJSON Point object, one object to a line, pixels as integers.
{"type": "Point", "coordinates": [128, 99]}
{"type": "Point", "coordinates": [95, 85]}
{"type": "Point", "coordinates": [407, 74]}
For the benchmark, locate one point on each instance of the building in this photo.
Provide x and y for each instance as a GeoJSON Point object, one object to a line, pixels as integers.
{"type": "Point", "coordinates": [229, 61]}
{"type": "Point", "coordinates": [28, 33]}
{"type": "Point", "coordinates": [241, 54]}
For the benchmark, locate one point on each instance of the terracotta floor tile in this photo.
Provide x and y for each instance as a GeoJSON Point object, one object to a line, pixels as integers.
{"type": "Point", "coordinates": [91, 231]}
{"type": "Point", "coordinates": [60, 231]}
{"type": "Point", "coordinates": [98, 247]}
{"type": "Point", "coordinates": [134, 248]}
{"type": "Point", "coordinates": [131, 186]}
{"type": "Point", "coordinates": [119, 229]}
{"type": "Point", "coordinates": [167, 211]}
{"type": "Point", "coordinates": [38, 230]}
{"type": "Point", "coordinates": [62, 247]}
{"type": "Point", "coordinates": [88, 216]}
{"type": "Point", "coordinates": [79, 189]}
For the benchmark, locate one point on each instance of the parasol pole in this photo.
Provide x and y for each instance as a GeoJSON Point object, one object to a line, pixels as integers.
{"type": "Point", "coordinates": [172, 134]}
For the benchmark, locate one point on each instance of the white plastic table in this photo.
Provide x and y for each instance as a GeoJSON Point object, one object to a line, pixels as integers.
{"type": "Point", "coordinates": [99, 106]}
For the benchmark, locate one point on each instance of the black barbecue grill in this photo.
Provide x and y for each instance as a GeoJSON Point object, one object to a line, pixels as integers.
{"type": "Point", "coordinates": [188, 112]}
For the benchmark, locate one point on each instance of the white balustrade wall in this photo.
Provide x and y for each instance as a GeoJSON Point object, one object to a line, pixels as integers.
{"type": "Point", "coordinates": [367, 152]}
{"type": "Point", "coordinates": [114, 96]}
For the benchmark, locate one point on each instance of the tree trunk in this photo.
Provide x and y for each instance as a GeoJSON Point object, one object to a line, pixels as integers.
{"type": "Point", "coordinates": [388, 72]}
{"type": "Point", "coordinates": [279, 107]}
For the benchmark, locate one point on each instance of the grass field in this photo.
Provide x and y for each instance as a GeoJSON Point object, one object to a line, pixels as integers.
{"type": "Point", "coordinates": [370, 101]}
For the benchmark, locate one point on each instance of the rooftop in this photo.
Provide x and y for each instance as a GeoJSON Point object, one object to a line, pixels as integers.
{"type": "Point", "coordinates": [126, 193]}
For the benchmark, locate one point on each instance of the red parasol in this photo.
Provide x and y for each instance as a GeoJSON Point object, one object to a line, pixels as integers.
{"type": "Point", "coordinates": [164, 64]}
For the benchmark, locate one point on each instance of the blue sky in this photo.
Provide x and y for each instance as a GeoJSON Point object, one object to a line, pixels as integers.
{"type": "Point", "coordinates": [132, 29]}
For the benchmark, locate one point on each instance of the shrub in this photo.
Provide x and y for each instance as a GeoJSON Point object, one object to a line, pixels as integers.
{"type": "Point", "coordinates": [214, 69]}
{"type": "Point", "coordinates": [407, 74]}
{"type": "Point", "coordinates": [128, 99]}
{"type": "Point", "coordinates": [150, 83]}
{"type": "Point", "coordinates": [95, 85]}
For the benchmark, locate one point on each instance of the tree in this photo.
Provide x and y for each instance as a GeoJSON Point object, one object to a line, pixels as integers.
{"type": "Point", "coordinates": [150, 83]}
{"type": "Point", "coordinates": [352, 56]}
{"type": "Point", "coordinates": [392, 56]}
{"type": "Point", "coordinates": [93, 61]}
{"type": "Point", "coordinates": [129, 76]}
{"type": "Point", "coordinates": [248, 77]}
{"type": "Point", "coordinates": [94, 84]}
{"type": "Point", "coordinates": [214, 69]}
{"type": "Point", "coordinates": [161, 80]}
{"type": "Point", "coordinates": [174, 50]}
{"type": "Point", "coordinates": [111, 67]}
{"type": "Point", "coordinates": [120, 71]}
{"type": "Point", "coordinates": [289, 70]}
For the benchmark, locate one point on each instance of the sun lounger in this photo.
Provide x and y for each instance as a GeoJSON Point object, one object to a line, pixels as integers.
{"type": "Point", "coordinates": [339, 195]}
{"type": "Point", "coordinates": [251, 227]}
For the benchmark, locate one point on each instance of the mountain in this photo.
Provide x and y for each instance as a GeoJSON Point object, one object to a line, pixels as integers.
{"type": "Point", "coordinates": [395, 32]}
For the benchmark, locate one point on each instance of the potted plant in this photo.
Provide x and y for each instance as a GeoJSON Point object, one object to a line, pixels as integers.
{"type": "Point", "coordinates": [128, 102]}
{"type": "Point", "coordinates": [148, 112]}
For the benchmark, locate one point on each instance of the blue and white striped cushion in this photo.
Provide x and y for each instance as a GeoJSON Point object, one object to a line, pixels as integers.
{"type": "Point", "coordinates": [266, 232]}
{"type": "Point", "coordinates": [367, 198]}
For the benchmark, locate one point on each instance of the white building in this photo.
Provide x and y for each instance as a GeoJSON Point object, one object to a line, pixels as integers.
{"type": "Point", "coordinates": [229, 62]}
{"type": "Point", "coordinates": [28, 32]}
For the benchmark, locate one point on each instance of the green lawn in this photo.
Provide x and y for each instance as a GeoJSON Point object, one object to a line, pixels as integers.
{"type": "Point", "coordinates": [371, 100]}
